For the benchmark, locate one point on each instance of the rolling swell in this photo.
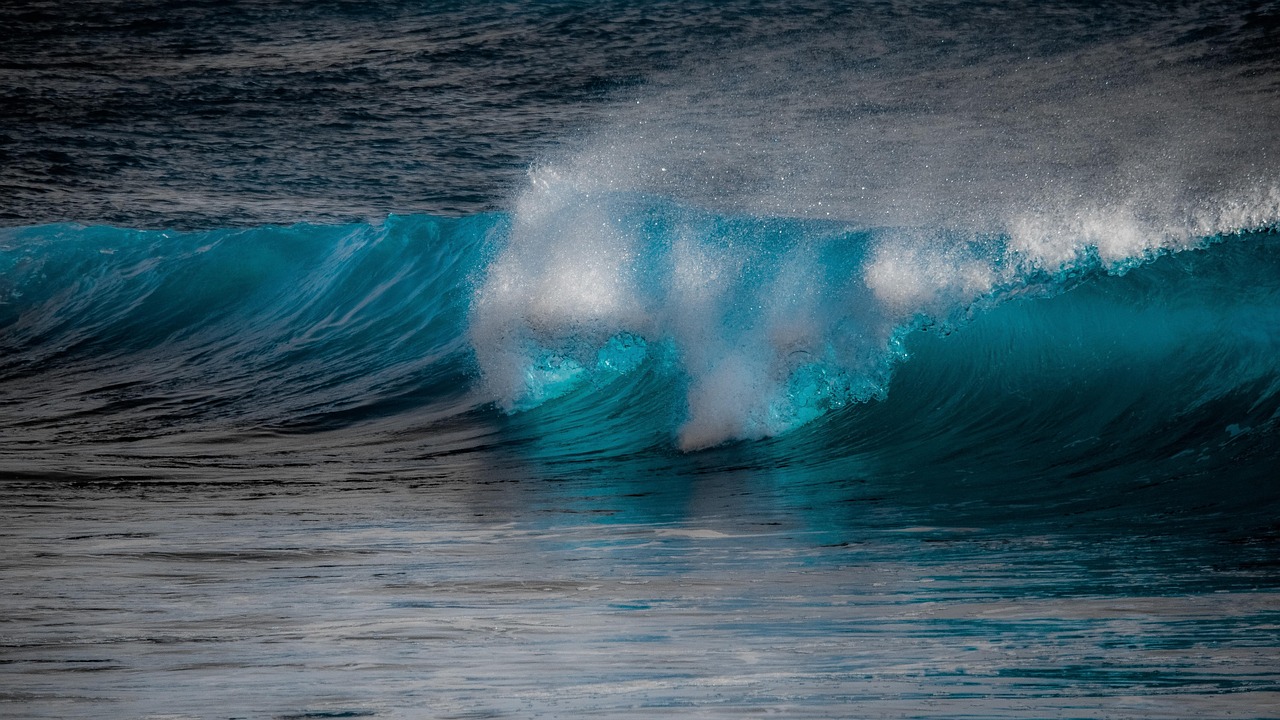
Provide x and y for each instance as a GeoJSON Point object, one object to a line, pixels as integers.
{"type": "Point", "coordinates": [126, 332]}
{"type": "Point", "coordinates": [1167, 370]}
{"type": "Point", "coordinates": [1165, 364]}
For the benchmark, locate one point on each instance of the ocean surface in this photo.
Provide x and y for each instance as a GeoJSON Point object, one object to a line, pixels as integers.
{"type": "Point", "coordinates": [639, 360]}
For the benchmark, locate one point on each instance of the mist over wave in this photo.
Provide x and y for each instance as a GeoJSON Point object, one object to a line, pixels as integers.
{"type": "Point", "coordinates": [954, 166]}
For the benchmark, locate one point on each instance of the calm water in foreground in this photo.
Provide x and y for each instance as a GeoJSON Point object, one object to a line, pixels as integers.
{"type": "Point", "coordinates": [549, 599]}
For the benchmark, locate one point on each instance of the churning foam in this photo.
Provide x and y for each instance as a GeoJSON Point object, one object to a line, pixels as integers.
{"type": "Point", "coordinates": [954, 180]}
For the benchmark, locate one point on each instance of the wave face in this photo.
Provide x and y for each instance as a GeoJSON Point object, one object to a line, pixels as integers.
{"type": "Point", "coordinates": [766, 324]}
{"type": "Point", "coordinates": [856, 238]}
{"type": "Point", "coordinates": [817, 344]}
{"type": "Point", "coordinates": [125, 333]}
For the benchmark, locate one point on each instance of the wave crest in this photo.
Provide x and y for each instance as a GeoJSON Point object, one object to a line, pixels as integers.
{"type": "Point", "coordinates": [771, 322]}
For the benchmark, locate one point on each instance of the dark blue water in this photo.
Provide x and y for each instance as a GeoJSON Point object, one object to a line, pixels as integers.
{"type": "Point", "coordinates": [602, 360]}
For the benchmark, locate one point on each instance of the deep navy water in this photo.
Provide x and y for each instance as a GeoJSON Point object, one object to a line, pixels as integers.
{"type": "Point", "coordinates": [594, 359]}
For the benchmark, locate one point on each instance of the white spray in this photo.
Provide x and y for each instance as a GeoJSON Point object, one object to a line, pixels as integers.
{"type": "Point", "coordinates": [1102, 151]}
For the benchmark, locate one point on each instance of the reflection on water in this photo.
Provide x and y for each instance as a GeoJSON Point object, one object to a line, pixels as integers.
{"type": "Point", "coordinates": [725, 595]}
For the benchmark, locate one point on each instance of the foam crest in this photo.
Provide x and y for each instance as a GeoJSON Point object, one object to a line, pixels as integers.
{"type": "Point", "coordinates": [566, 278]}
{"type": "Point", "coordinates": [911, 273]}
{"type": "Point", "coordinates": [767, 324]}
{"type": "Point", "coordinates": [781, 216]}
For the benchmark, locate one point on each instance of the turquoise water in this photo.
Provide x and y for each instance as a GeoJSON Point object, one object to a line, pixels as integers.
{"type": "Point", "coordinates": [713, 360]}
{"type": "Point", "coordinates": [421, 333]}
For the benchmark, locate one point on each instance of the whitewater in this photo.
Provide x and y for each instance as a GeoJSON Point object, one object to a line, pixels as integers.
{"type": "Point", "coordinates": [586, 360]}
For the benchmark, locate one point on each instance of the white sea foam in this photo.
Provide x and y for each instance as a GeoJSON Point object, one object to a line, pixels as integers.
{"type": "Point", "coordinates": [977, 171]}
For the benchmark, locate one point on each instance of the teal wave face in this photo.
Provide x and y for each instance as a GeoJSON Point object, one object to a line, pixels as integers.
{"type": "Point", "coordinates": [781, 332]}
{"type": "Point", "coordinates": [1157, 387]}
{"type": "Point", "coordinates": [1169, 369]}
{"type": "Point", "coordinates": [762, 325]}
{"type": "Point", "coordinates": [273, 326]}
